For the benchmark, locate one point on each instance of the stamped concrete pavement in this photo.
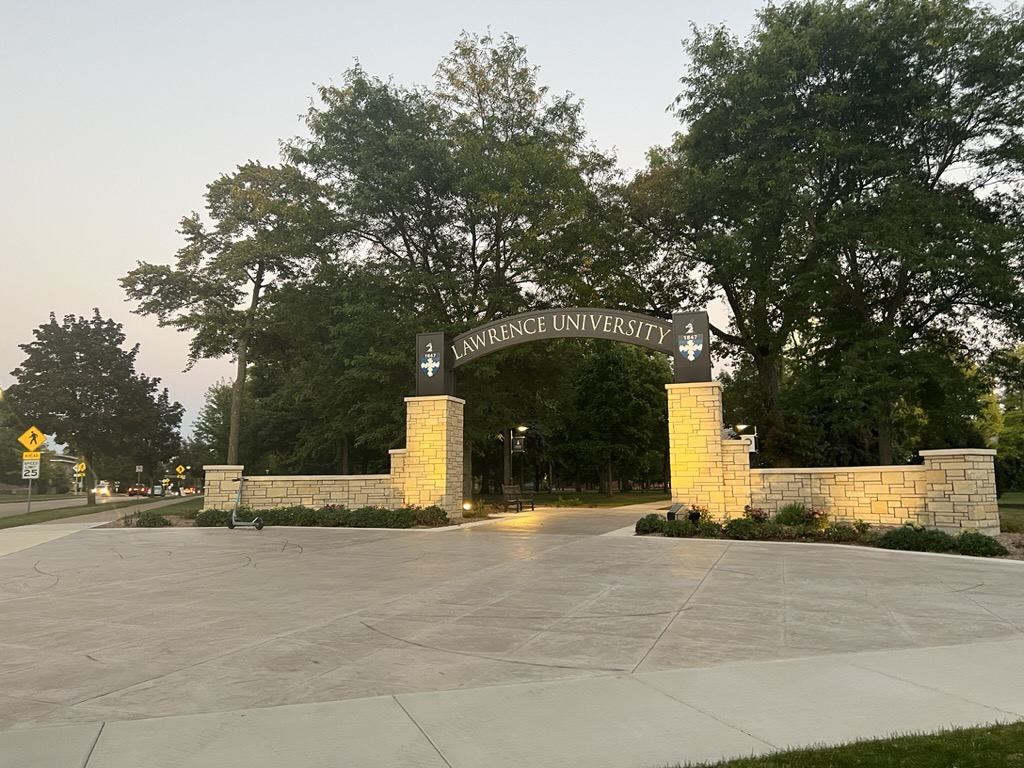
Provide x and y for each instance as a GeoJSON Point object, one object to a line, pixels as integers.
{"type": "Point", "coordinates": [389, 648]}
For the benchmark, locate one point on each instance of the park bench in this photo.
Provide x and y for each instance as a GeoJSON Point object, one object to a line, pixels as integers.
{"type": "Point", "coordinates": [514, 496]}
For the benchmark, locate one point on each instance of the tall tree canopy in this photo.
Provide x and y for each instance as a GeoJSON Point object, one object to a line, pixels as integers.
{"type": "Point", "coordinates": [846, 182]}
{"type": "Point", "coordinates": [476, 197]}
{"type": "Point", "coordinates": [269, 226]}
{"type": "Point", "coordinates": [78, 384]}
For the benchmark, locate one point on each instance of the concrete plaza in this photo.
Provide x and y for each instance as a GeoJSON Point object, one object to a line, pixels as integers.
{"type": "Point", "coordinates": [550, 638]}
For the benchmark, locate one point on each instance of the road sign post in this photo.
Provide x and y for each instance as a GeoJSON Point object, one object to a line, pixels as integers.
{"type": "Point", "coordinates": [33, 440]}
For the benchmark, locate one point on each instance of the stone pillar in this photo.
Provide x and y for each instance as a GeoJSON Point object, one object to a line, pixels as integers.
{"type": "Point", "coordinates": [961, 490]}
{"type": "Point", "coordinates": [698, 456]}
{"type": "Point", "coordinates": [221, 485]}
{"type": "Point", "coordinates": [432, 469]}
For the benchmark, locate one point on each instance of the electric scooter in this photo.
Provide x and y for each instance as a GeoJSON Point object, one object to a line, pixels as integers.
{"type": "Point", "coordinates": [256, 522]}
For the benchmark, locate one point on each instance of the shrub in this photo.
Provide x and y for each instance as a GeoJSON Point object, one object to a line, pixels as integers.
{"type": "Point", "coordinates": [210, 518]}
{"type": "Point", "coordinates": [743, 529]}
{"type": "Point", "coordinates": [790, 514]}
{"type": "Point", "coordinates": [861, 527]}
{"type": "Point", "coordinates": [150, 519]}
{"type": "Point", "coordinates": [841, 532]}
{"type": "Point", "coordinates": [709, 529]}
{"type": "Point", "coordinates": [801, 514]}
{"type": "Point", "coordinates": [432, 516]}
{"type": "Point", "coordinates": [651, 524]}
{"type": "Point", "coordinates": [756, 514]}
{"type": "Point", "coordinates": [681, 529]}
{"type": "Point", "coordinates": [910, 539]}
{"type": "Point", "coordinates": [977, 544]}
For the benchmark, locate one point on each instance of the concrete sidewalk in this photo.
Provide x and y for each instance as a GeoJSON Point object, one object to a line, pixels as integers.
{"type": "Point", "coordinates": [313, 647]}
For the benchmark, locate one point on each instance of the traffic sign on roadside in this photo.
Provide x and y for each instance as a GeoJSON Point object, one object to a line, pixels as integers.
{"type": "Point", "coordinates": [30, 469]}
{"type": "Point", "coordinates": [32, 439]}
{"type": "Point", "coordinates": [31, 456]}
{"type": "Point", "coordinates": [180, 470]}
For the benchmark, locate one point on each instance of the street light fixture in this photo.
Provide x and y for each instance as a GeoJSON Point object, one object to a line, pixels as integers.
{"type": "Point", "coordinates": [741, 428]}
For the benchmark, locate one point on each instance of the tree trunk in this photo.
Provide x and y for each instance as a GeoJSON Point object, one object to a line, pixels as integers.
{"type": "Point", "coordinates": [242, 352]}
{"type": "Point", "coordinates": [776, 437]}
{"type": "Point", "coordinates": [885, 452]}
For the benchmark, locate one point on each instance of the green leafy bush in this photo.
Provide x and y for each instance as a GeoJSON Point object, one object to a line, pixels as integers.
{"type": "Point", "coordinates": [150, 519]}
{"type": "Point", "coordinates": [841, 532]}
{"type": "Point", "coordinates": [801, 514]}
{"type": "Point", "coordinates": [743, 529]}
{"type": "Point", "coordinates": [211, 518]}
{"type": "Point", "coordinates": [756, 513]}
{"type": "Point", "coordinates": [651, 524]}
{"type": "Point", "coordinates": [709, 529]}
{"type": "Point", "coordinates": [681, 529]}
{"type": "Point", "coordinates": [432, 516]}
{"type": "Point", "coordinates": [910, 539]}
{"type": "Point", "coordinates": [977, 544]}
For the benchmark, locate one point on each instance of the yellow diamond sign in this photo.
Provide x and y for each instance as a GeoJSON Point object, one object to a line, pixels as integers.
{"type": "Point", "coordinates": [32, 439]}
{"type": "Point", "coordinates": [179, 469]}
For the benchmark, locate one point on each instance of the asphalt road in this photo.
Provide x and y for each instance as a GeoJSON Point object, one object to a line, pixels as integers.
{"type": "Point", "coordinates": [11, 508]}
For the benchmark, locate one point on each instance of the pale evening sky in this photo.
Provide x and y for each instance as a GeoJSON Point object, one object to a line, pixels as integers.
{"type": "Point", "coordinates": [118, 113]}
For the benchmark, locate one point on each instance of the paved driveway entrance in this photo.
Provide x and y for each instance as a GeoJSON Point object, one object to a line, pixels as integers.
{"type": "Point", "coordinates": [488, 645]}
{"type": "Point", "coordinates": [572, 521]}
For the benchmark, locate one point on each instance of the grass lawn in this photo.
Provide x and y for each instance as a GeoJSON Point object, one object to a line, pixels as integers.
{"type": "Point", "coordinates": [22, 496]}
{"type": "Point", "coordinates": [583, 498]}
{"type": "Point", "coordinates": [183, 507]}
{"type": "Point", "coordinates": [1011, 512]}
{"type": "Point", "coordinates": [993, 745]}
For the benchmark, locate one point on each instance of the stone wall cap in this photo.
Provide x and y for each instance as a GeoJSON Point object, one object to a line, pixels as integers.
{"type": "Point", "coordinates": [959, 452]}
{"type": "Point", "coordinates": [208, 467]}
{"type": "Point", "coordinates": [809, 470]}
{"type": "Point", "coordinates": [687, 384]}
{"type": "Point", "coordinates": [393, 451]}
{"type": "Point", "coordinates": [332, 478]}
{"type": "Point", "coordinates": [435, 397]}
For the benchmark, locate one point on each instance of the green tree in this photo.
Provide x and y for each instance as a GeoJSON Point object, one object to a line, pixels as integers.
{"type": "Point", "coordinates": [619, 418]}
{"type": "Point", "coordinates": [78, 384]}
{"type": "Point", "coordinates": [269, 225]}
{"type": "Point", "coordinates": [836, 185]}
{"type": "Point", "coordinates": [471, 197]}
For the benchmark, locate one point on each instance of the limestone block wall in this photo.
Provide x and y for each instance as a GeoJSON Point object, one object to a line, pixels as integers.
{"type": "Point", "coordinates": [695, 445]}
{"type": "Point", "coordinates": [426, 472]}
{"type": "Point", "coordinates": [432, 467]}
{"type": "Point", "coordinates": [876, 495]}
{"type": "Point", "coordinates": [269, 491]}
{"type": "Point", "coordinates": [962, 489]}
{"type": "Point", "coordinates": [736, 474]}
{"type": "Point", "coordinates": [953, 490]}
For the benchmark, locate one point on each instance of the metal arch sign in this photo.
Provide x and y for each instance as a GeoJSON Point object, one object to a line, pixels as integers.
{"type": "Point", "coordinates": [651, 332]}
{"type": "Point", "coordinates": [685, 338]}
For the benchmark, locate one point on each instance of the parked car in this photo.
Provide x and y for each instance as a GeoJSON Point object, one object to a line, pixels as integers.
{"type": "Point", "coordinates": [138, 489]}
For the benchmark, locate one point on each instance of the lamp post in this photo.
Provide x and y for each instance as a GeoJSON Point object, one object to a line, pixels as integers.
{"type": "Point", "coordinates": [512, 439]}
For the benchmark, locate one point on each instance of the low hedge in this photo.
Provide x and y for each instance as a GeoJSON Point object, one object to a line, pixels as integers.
{"type": "Point", "coordinates": [911, 537]}
{"type": "Point", "coordinates": [331, 516]}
